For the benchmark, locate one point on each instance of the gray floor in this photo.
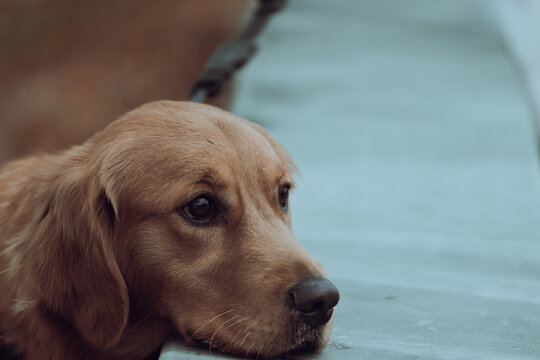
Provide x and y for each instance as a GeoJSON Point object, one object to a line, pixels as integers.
{"type": "Point", "coordinates": [420, 185]}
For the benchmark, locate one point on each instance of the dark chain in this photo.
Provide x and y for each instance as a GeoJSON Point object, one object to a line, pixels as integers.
{"type": "Point", "coordinates": [231, 56]}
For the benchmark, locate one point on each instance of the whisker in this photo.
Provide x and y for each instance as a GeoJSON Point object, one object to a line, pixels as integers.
{"type": "Point", "coordinates": [245, 337]}
{"type": "Point", "coordinates": [139, 323]}
{"type": "Point", "coordinates": [239, 321]}
{"type": "Point", "coordinates": [259, 351]}
{"type": "Point", "coordinates": [215, 332]}
{"type": "Point", "coordinates": [11, 269]}
{"type": "Point", "coordinates": [209, 321]}
{"type": "Point", "coordinates": [239, 331]}
{"type": "Point", "coordinates": [249, 348]}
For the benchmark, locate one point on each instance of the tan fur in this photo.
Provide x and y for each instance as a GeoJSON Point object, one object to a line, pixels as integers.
{"type": "Point", "coordinates": [96, 262]}
{"type": "Point", "coordinates": [68, 68]}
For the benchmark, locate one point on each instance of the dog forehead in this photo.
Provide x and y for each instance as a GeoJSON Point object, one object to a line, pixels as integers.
{"type": "Point", "coordinates": [170, 123]}
{"type": "Point", "coordinates": [158, 144]}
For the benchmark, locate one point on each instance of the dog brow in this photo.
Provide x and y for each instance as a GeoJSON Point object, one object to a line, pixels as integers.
{"type": "Point", "coordinates": [207, 176]}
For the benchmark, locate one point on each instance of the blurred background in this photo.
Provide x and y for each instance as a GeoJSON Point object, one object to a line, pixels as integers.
{"type": "Point", "coordinates": [68, 68]}
{"type": "Point", "coordinates": [413, 124]}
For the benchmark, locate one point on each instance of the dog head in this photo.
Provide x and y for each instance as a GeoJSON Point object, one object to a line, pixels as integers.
{"type": "Point", "coordinates": [195, 205]}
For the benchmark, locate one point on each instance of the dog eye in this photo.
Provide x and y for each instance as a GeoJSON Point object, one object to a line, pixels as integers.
{"type": "Point", "coordinates": [283, 196]}
{"type": "Point", "coordinates": [201, 209]}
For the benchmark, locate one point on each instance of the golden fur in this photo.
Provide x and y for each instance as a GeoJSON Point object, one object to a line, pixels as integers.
{"type": "Point", "coordinates": [68, 68]}
{"type": "Point", "coordinates": [97, 263]}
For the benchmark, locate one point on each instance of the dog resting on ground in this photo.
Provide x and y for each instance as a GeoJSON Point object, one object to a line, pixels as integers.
{"type": "Point", "coordinates": [173, 219]}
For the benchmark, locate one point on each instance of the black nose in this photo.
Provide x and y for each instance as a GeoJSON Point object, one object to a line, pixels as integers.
{"type": "Point", "coordinates": [315, 299]}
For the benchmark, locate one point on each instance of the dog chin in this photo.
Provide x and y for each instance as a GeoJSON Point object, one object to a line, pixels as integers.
{"type": "Point", "coordinates": [308, 339]}
{"type": "Point", "coordinates": [305, 339]}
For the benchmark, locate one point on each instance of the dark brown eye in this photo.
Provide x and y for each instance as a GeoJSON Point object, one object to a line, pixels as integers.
{"type": "Point", "coordinates": [201, 209]}
{"type": "Point", "coordinates": [283, 196]}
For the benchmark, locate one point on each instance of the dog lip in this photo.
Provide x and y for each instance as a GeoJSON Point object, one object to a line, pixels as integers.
{"type": "Point", "coordinates": [304, 347]}
{"type": "Point", "coordinates": [327, 316]}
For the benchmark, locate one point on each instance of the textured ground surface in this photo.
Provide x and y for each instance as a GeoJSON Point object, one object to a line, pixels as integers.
{"type": "Point", "coordinates": [420, 185]}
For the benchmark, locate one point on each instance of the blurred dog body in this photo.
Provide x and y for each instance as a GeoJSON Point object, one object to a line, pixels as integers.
{"type": "Point", "coordinates": [68, 68]}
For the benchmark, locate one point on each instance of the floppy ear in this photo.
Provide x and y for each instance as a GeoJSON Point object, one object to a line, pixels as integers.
{"type": "Point", "coordinates": [73, 271]}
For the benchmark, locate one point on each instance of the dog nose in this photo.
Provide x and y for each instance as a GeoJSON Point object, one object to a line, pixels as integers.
{"type": "Point", "coordinates": [315, 299]}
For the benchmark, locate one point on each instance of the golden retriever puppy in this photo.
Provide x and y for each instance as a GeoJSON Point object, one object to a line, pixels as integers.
{"type": "Point", "coordinates": [174, 219]}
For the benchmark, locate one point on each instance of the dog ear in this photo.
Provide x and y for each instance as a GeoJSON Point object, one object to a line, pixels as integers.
{"type": "Point", "coordinates": [73, 272]}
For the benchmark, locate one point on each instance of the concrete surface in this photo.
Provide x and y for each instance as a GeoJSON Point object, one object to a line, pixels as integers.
{"type": "Point", "coordinates": [520, 25]}
{"type": "Point", "coordinates": [419, 187]}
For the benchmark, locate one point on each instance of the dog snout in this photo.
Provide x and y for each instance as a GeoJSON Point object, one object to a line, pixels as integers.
{"type": "Point", "coordinates": [314, 299]}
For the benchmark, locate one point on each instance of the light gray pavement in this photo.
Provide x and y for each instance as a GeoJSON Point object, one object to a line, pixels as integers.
{"type": "Point", "coordinates": [420, 186]}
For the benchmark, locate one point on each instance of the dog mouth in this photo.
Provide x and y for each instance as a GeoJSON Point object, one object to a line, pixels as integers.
{"type": "Point", "coordinates": [306, 347]}
{"type": "Point", "coordinates": [303, 339]}
{"type": "Point", "coordinates": [307, 339]}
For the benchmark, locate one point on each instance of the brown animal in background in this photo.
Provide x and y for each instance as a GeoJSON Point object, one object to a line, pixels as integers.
{"type": "Point", "coordinates": [174, 219]}
{"type": "Point", "coordinates": [68, 68]}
